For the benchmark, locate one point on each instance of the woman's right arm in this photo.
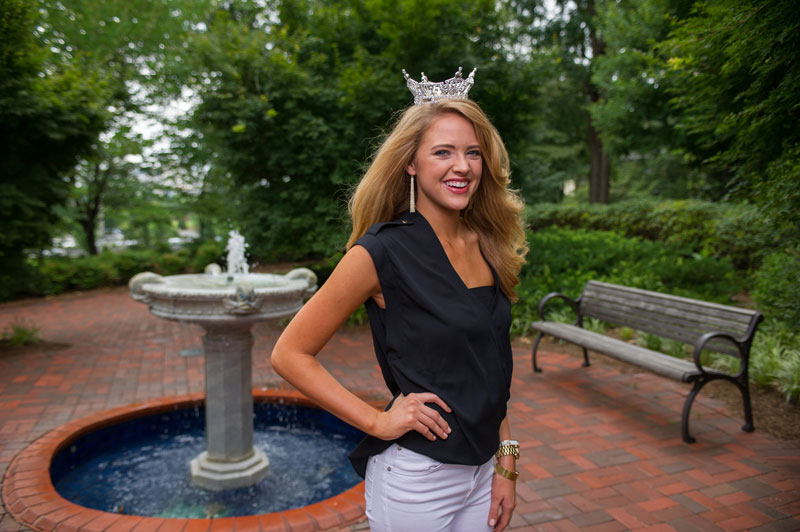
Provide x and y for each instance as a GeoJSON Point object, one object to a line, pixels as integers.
{"type": "Point", "coordinates": [352, 282]}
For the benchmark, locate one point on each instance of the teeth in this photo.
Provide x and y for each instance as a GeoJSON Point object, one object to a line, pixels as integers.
{"type": "Point", "coordinates": [457, 184]}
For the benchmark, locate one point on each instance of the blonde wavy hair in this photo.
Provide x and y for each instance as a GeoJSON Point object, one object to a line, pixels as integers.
{"type": "Point", "coordinates": [496, 210]}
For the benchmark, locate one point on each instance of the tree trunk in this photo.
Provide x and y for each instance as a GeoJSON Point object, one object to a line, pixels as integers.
{"type": "Point", "coordinates": [600, 165]}
{"type": "Point", "coordinates": [600, 168]}
{"type": "Point", "coordinates": [91, 208]}
{"type": "Point", "coordinates": [89, 227]}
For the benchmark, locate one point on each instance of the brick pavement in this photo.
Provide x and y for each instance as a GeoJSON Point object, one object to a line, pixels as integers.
{"type": "Point", "coordinates": [601, 449]}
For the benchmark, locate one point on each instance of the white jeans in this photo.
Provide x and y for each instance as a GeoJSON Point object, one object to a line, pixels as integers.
{"type": "Point", "coordinates": [409, 492]}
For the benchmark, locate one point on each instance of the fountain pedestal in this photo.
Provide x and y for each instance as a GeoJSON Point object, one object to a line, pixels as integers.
{"type": "Point", "coordinates": [230, 461]}
{"type": "Point", "coordinates": [226, 307]}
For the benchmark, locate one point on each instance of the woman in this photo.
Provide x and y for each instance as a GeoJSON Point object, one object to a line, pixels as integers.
{"type": "Point", "coordinates": [435, 251]}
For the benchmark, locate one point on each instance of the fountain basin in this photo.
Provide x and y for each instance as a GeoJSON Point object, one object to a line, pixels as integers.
{"type": "Point", "coordinates": [219, 300]}
{"type": "Point", "coordinates": [31, 498]}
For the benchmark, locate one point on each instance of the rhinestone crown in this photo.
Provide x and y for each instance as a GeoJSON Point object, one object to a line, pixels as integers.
{"type": "Point", "coordinates": [428, 92]}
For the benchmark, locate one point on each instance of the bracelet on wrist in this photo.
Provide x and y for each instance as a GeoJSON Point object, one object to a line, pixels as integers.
{"type": "Point", "coordinates": [507, 473]}
{"type": "Point", "coordinates": [508, 447]}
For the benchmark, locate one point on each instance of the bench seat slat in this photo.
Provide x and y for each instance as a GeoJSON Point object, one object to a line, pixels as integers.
{"type": "Point", "coordinates": [668, 329]}
{"type": "Point", "coordinates": [654, 361]}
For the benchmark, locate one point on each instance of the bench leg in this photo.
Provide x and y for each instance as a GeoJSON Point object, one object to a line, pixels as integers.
{"type": "Point", "coordinates": [585, 358]}
{"type": "Point", "coordinates": [536, 368]}
{"type": "Point", "coordinates": [687, 408]}
{"type": "Point", "coordinates": [748, 411]}
{"type": "Point", "coordinates": [742, 384]}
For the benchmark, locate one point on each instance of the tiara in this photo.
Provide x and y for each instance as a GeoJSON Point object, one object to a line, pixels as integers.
{"type": "Point", "coordinates": [427, 92]}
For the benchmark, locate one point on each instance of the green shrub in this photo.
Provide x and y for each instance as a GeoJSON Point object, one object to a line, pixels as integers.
{"type": "Point", "coordinates": [55, 275]}
{"type": "Point", "coordinates": [736, 231]}
{"type": "Point", "coordinates": [559, 315]}
{"type": "Point", "coordinates": [764, 364]}
{"type": "Point", "coordinates": [774, 360]}
{"type": "Point", "coordinates": [649, 341]}
{"type": "Point", "coordinates": [110, 268]}
{"type": "Point", "coordinates": [676, 348]}
{"type": "Point", "coordinates": [62, 274]}
{"type": "Point", "coordinates": [206, 253]}
{"type": "Point", "coordinates": [727, 363]}
{"type": "Point", "coordinates": [771, 356]}
{"type": "Point", "coordinates": [788, 376]}
{"type": "Point", "coordinates": [626, 333]}
{"type": "Point", "coordinates": [595, 325]}
{"type": "Point", "coordinates": [777, 286]}
{"type": "Point", "coordinates": [173, 262]}
{"type": "Point", "coordinates": [563, 260]}
{"type": "Point", "coordinates": [132, 261]}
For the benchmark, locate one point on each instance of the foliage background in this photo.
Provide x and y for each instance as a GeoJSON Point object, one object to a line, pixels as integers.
{"type": "Point", "coordinates": [654, 141]}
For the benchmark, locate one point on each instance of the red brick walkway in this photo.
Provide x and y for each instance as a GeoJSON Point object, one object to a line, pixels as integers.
{"type": "Point", "coordinates": [601, 449]}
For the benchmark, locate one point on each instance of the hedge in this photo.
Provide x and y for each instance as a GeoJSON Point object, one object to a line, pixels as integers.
{"type": "Point", "coordinates": [55, 275]}
{"type": "Point", "coordinates": [737, 231]}
{"type": "Point", "coordinates": [563, 260]}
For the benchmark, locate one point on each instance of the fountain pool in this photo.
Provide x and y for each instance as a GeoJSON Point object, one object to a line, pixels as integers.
{"type": "Point", "coordinates": [138, 467]}
{"type": "Point", "coordinates": [31, 498]}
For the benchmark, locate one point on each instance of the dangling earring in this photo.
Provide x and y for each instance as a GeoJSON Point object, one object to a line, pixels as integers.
{"type": "Point", "coordinates": [412, 203]}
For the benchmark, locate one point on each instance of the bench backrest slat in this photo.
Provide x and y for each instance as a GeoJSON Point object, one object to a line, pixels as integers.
{"type": "Point", "coordinates": [680, 312]}
{"type": "Point", "coordinates": [665, 315]}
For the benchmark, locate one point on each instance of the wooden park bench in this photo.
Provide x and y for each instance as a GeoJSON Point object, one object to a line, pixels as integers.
{"type": "Point", "coordinates": [706, 326]}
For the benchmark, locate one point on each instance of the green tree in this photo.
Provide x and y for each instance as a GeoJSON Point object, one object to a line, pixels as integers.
{"type": "Point", "coordinates": [293, 100]}
{"type": "Point", "coordinates": [203, 183]}
{"type": "Point", "coordinates": [49, 115]}
{"type": "Point", "coordinates": [573, 42]}
{"type": "Point", "coordinates": [635, 118]}
{"type": "Point", "coordinates": [136, 47]}
{"type": "Point", "coordinates": [106, 179]}
{"type": "Point", "coordinates": [734, 69]}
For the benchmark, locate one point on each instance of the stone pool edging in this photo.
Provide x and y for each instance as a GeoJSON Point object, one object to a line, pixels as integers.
{"type": "Point", "coordinates": [30, 497]}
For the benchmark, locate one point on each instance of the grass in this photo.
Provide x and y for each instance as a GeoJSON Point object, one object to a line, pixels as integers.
{"type": "Point", "coordinates": [19, 333]}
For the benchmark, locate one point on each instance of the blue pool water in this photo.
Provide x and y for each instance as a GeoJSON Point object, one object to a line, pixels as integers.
{"type": "Point", "coordinates": [141, 467]}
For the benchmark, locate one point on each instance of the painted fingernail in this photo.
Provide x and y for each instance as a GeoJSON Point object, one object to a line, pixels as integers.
{"type": "Point", "coordinates": [492, 522]}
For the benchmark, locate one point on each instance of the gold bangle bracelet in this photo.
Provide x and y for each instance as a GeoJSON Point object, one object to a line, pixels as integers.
{"type": "Point", "coordinates": [507, 473]}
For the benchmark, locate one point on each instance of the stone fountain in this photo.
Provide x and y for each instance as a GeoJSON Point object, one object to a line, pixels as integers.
{"type": "Point", "coordinates": [226, 305]}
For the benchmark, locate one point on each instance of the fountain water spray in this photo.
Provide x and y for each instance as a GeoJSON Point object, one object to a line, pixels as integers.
{"type": "Point", "coordinates": [237, 264]}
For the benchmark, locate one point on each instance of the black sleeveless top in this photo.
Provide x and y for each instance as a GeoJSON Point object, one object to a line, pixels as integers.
{"type": "Point", "coordinates": [436, 335]}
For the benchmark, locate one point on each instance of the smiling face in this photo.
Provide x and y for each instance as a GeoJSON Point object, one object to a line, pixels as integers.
{"type": "Point", "coordinates": [447, 164]}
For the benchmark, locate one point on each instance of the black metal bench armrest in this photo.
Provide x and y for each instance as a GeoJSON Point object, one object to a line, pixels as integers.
{"type": "Point", "coordinates": [701, 342]}
{"type": "Point", "coordinates": [574, 303]}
